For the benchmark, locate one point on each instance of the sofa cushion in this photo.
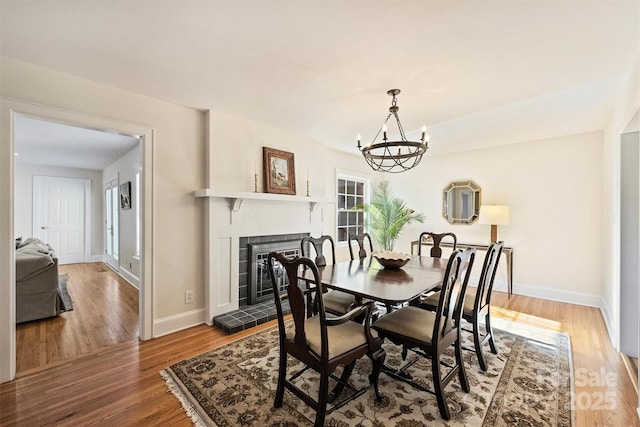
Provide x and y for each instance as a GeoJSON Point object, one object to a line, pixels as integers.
{"type": "Point", "coordinates": [30, 263]}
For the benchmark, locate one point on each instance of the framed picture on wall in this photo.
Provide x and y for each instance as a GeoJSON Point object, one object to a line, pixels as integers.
{"type": "Point", "coordinates": [125, 195]}
{"type": "Point", "coordinates": [279, 171]}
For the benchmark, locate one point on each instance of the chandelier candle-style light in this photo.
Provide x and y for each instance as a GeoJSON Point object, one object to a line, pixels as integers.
{"type": "Point", "coordinates": [394, 156]}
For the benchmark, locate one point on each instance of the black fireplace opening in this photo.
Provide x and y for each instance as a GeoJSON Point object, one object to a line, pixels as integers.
{"type": "Point", "coordinates": [254, 281]}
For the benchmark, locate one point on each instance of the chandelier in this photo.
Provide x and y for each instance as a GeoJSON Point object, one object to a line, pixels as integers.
{"type": "Point", "coordinates": [394, 156]}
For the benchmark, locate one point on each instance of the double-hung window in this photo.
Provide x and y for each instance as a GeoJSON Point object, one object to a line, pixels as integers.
{"type": "Point", "coordinates": [350, 192]}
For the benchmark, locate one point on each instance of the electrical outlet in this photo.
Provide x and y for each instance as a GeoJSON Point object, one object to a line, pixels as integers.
{"type": "Point", "coordinates": [188, 297]}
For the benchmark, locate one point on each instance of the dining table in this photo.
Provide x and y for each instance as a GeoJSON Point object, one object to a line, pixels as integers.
{"type": "Point", "coordinates": [366, 278]}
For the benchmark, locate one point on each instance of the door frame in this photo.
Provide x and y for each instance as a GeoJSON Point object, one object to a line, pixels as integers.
{"type": "Point", "coordinates": [110, 185]}
{"type": "Point", "coordinates": [9, 108]}
{"type": "Point", "coordinates": [632, 243]}
{"type": "Point", "coordinates": [86, 183]}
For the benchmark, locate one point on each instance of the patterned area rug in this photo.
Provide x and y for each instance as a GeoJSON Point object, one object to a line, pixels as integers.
{"type": "Point", "coordinates": [65, 298]}
{"type": "Point", "coordinates": [529, 383]}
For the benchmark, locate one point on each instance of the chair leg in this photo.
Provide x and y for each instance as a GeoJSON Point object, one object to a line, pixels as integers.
{"type": "Point", "coordinates": [323, 395]}
{"type": "Point", "coordinates": [462, 373]}
{"type": "Point", "coordinates": [344, 377]}
{"type": "Point", "coordinates": [378, 360]}
{"type": "Point", "coordinates": [477, 343]}
{"type": "Point", "coordinates": [492, 343]}
{"type": "Point", "coordinates": [282, 374]}
{"type": "Point", "coordinates": [439, 389]}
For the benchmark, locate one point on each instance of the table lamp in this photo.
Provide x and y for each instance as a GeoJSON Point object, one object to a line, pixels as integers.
{"type": "Point", "coordinates": [494, 215]}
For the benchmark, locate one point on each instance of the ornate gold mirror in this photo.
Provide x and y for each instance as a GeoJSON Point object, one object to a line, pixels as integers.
{"type": "Point", "coordinates": [461, 202]}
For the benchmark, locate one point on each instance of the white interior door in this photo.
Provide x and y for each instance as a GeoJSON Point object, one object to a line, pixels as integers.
{"type": "Point", "coordinates": [59, 215]}
{"type": "Point", "coordinates": [112, 227]}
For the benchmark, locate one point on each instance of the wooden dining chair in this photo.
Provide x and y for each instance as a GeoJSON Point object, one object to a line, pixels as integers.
{"type": "Point", "coordinates": [477, 305]}
{"type": "Point", "coordinates": [335, 302]}
{"type": "Point", "coordinates": [321, 343]}
{"type": "Point", "coordinates": [436, 250]}
{"type": "Point", "coordinates": [319, 245]}
{"type": "Point", "coordinates": [360, 240]}
{"type": "Point", "coordinates": [430, 334]}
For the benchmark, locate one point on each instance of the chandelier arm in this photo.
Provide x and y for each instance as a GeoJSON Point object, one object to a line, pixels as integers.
{"type": "Point", "coordinates": [380, 130]}
{"type": "Point", "coordinates": [400, 128]}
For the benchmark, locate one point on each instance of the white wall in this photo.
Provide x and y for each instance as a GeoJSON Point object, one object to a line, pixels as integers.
{"type": "Point", "coordinates": [235, 151]}
{"type": "Point", "coordinates": [553, 188]}
{"type": "Point", "coordinates": [23, 200]}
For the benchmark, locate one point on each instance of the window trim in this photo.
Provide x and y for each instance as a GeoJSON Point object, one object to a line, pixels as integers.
{"type": "Point", "coordinates": [350, 176]}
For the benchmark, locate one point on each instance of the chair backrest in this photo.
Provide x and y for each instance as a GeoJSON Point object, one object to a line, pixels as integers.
{"type": "Point", "coordinates": [454, 286]}
{"type": "Point", "coordinates": [318, 244]}
{"type": "Point", "coordinates": [297, 299]}
{"type": "Point", "coordinates": [362, 251]}
{"type": "Point", "coordinates": [488, 275]}
{"type": "Point", "coordinates": [436, 250]}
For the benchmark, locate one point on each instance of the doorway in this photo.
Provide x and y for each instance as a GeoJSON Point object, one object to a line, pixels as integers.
{"type": "Point", "coordinates": [60, 213]}
{"type": "Point", "coordinates": [10, 110]}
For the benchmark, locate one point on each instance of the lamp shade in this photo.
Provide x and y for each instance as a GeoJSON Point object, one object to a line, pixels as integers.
{"type": "Point", "coordinates": [494, 215]}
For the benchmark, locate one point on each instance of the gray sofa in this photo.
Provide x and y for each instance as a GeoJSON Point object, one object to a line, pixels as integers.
{"type": "Point", "coordinates": [37, 294]}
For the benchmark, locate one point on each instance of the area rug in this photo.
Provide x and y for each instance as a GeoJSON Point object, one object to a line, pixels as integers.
{"type": "Point", "coordinates": [65, 298]}
{"type": "Point", "coordinates": [529, 383]}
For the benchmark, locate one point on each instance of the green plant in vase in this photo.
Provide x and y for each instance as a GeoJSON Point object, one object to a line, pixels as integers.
{"type": "Point", "coordinates": [387, 215]}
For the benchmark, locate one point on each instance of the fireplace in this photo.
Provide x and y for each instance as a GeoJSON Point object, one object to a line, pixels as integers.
{"type": "Point", "coordinates": [254, 280]}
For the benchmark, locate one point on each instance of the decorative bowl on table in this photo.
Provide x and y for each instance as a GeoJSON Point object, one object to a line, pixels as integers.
{"type": "Point", "coordinates": [391, 260]}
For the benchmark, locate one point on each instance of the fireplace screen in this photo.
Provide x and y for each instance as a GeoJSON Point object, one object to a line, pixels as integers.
{"type": "Point", "coordinates": [260, 288]}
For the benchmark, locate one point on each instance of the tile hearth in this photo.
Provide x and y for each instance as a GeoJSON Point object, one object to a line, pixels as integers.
{"type": "Point", "coordinates": [248, 316]}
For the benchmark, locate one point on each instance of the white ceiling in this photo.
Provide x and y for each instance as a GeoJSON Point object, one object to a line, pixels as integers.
{"type": "Point", "coordinates": [322, 68]}
{"type": "Point", "coordinates": [40, 142]}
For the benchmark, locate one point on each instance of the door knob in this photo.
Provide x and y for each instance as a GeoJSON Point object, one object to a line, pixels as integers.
{"type": "Point", "coordinates": [43, 227]}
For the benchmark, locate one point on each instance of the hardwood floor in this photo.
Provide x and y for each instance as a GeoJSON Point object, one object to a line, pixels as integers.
{"type": "Point", "coordinates": [631, 363]}
{"type": "Point", "coordinates": [603, 392]}
{"type": "Point", "coordinates": [105, 312]}
{"type": "Point", "coordinates": [120, 385]}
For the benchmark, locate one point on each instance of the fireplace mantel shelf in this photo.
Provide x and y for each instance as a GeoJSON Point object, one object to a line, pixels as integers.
{"type": "Point", "coordinates": [237, 198]}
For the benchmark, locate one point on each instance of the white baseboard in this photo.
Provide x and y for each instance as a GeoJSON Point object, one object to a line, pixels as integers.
{"type": "Point", "coordinates": [560, 295]}
{"type": "Point", "coordinates": [571, 297]}
{"type": "Point", "coordinates": [638, 409]}
{"type": "Point", "coordinates": [178, 322]}
{"type": "Point", "coordinates": [608, 321]}
{"type": "Point", "coordinates": [96, 258]}
{"type": "Point", "coordinates": [129, 277]}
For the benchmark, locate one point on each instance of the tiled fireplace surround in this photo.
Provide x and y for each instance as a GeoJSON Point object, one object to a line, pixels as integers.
{"type": "Point", "coordinates": [253, 311]}
{"type": "Point", "coordinates": [234, 220]}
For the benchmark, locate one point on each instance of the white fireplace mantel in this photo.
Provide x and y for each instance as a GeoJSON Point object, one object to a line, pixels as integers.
{"type": "Point", "coordinates": [237, 198]}
{"type": "Point", "coordinates": [228, 218]}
